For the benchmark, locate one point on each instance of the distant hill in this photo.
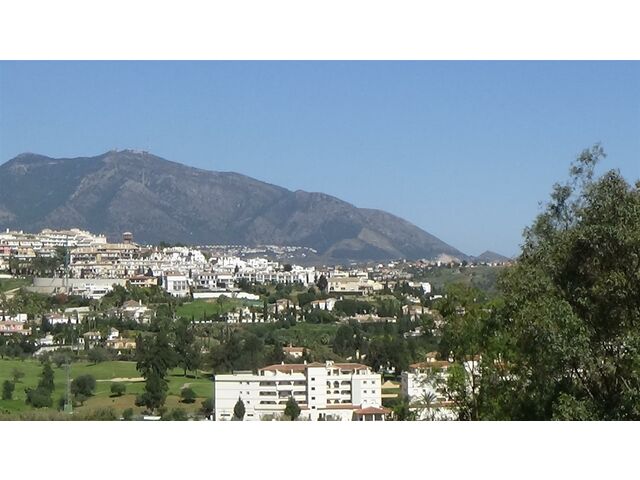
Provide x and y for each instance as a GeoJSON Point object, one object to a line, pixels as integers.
{"type": "Point", "coordinates": [492, 257]}
{"type": "Point", "coordinates": [158, 200]}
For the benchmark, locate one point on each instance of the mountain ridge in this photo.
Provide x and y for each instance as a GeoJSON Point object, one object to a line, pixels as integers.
{"type": "Point", "coordinates": [159, 199]}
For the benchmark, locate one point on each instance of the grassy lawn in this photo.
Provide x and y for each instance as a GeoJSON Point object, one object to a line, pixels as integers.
{"type": "Point", "coordinates": [103, 373]}
{"type": "Point", "coordinates": [7, 284]}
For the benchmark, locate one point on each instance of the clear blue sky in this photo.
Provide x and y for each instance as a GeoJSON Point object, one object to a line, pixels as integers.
{"type": "Point", "coordinates": [465, 150]}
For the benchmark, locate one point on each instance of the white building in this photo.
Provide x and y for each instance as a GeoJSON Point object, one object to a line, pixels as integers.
{"type": "Point", "coordinates": [176, 284]}
{"type": "Point", "coordinates": [422, 386]}
{"type": "Point", "coordinates": [324, 304]}
{"type": "Point", "coordinates": [335, 391]}
{"type": "Point", "coordinates": [358, 285]}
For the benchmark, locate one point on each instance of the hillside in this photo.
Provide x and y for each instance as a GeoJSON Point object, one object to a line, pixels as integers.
{"type": "Point", "coordinates": [159, 200]}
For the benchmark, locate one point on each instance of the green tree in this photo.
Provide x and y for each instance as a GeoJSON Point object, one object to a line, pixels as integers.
{"type": "Point", "coordinates": [402, 411]}
{"type": "Point", "coordinates": [46, 378]}
{"type": "Point", "coordinates": [238, 410]}
{"type": "Point", "coordinates": [206, 407]}
{"type": "Point", "coordinates": [188, 395]}
{"type": "Point", "coordinates": [38, 397]}
{"type": "Point", "coordinates": [98, 355]}
{"type": "Point", "coordinates": [127, 414]}
{"type": "Point", "coordinates": [292, 410]}
{"type": "Point", "coordinates": [322, 283]}
{"type": "Point", "coordinates": [568, 330]}
{"type": "Point", "coordinates": [7, 389]}
{"type": "Point", "coordinates": [118, 389]}
{"type": "Point", "coordinates": [155, 356]}
{"type": "Point", "coordinates": [83, 386]}
{"type": "Point", "coordinates": [186, 348]}
{"type": "Point", "coordinates": [155, 392]}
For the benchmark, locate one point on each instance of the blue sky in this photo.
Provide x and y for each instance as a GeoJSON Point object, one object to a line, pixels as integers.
{"type": "Point", "coordinates": [465, 150]}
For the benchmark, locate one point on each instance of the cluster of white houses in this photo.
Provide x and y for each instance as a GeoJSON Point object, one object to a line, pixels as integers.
{"type": "Point", "coordinates": [94, 265]}
{"type": "Point", "coordinates": [323, 391]}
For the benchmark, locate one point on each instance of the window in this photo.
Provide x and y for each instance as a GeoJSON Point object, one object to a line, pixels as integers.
{"type": "Point", "coordinates": [313, 398]}
{"type": "Point", "coordinates": [313, 388]}
{"type": "Point", "coordinates": [313, 379]}
{"type": "Point", "coordinates": [364, 391]}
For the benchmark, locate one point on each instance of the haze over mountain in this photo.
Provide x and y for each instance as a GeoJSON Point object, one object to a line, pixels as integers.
{"type": "Point", "coordinates": [160, 200]}
{"type": "Point", "coordinates": [492, 257]}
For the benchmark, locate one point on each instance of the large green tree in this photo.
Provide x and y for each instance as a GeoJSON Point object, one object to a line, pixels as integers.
{"type": "Point", "coordinates": [155, 356]}
{"type": "Point", "coordinates": [568, 333]}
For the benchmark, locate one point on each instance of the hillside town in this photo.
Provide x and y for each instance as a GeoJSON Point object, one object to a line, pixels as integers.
{"type": "Point", "coordinates": [83, 296]}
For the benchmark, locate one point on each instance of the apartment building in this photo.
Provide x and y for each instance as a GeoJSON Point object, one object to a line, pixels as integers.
{"type": "Point", "coordinates": [176, 284]}
{"type": "Point", "coordinates": [332, 391]}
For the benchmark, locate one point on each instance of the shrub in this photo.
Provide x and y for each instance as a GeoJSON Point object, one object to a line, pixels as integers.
{"type": "Point", "coordinates": [38, 397]}
{"type": "Point", "coordinates": [7, 389]}
{"type": "Point", "coordinates": [188, 395]}
{"type": "Point", "coordinates": [118, 389]}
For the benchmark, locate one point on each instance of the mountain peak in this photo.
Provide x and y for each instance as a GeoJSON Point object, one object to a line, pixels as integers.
{"type": "Point", "coordinates": [492, 257]}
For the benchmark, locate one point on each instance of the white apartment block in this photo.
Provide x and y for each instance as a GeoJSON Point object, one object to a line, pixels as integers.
{"type": "Point", "coordinates": [335, 391]}
{"type": "Point", "coordinates": [176, 284]}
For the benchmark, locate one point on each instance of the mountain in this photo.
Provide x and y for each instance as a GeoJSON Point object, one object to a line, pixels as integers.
{"type": "Point", "coordinates": [158, 200]}
{"type": "Point", "coordinates": [492, 257]}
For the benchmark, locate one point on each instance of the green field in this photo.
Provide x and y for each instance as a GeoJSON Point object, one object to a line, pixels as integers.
{"type": "Point", "coordinates": [104, 373]}
{"type": "Point", "coordinates": [7, 284]}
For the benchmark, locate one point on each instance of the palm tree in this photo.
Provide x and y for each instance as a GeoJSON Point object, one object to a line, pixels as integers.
{"type": "Point", "coordinates": [426, 405]}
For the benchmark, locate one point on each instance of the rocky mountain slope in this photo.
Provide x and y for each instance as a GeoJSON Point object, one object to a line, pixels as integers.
{"type": "Point", "coordinates": [158, 200]}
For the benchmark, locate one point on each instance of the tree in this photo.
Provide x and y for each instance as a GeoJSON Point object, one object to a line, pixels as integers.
{"type": "Point", "coordinates": [292, 410]}
{"type": "Point", "coordinates": [61, 358]}
{"type": "Point", "coordinates": [155, 355]}
{"type": "Point", "coordinates": [402, 411]}
{"type": "Point", "coordinates": [98, 355]}
{"type": "Point", "coordinates": [568, 332]}
{"type": "Point", "coordinates": [127, 414]}
{"type": "Point", "coordinates": [322, 283]}
{"type": "Point", "coordinates": [46, 378]}
{"type": "Point", "coordinates": [7, 389]}
{"type": "Point", "coordinates": [38, 397]}
{"type": "Point", "coordinates": [238, 410]}
{"type": "Point", "coordinates": [83, 386]}
{"type": "Point", "coordinates": [118, 389]}
{"type": "Point", "coordinates": [188, 395]}
{"type": "Point", "coordinates": [186, 348]}
{"type": "Point", "coordinates": [155, 392]}
{"type": "Point", "coordinates": [207, 407]}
